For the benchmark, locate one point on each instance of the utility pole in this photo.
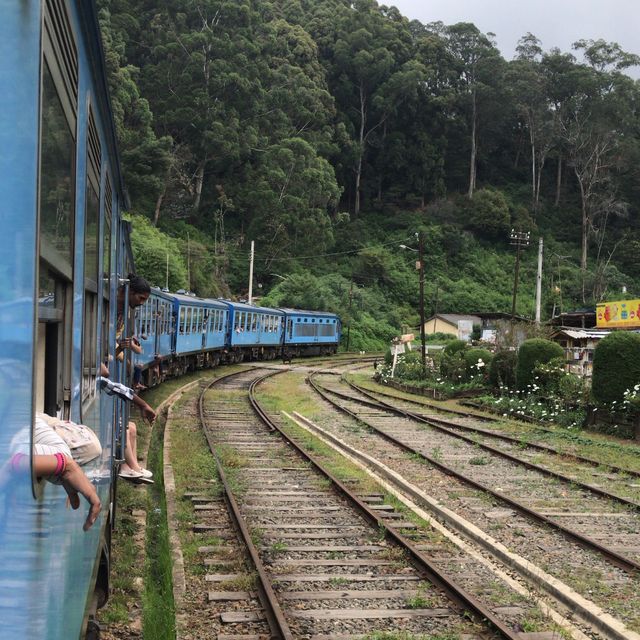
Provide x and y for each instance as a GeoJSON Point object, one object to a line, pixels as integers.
{"type": "Point", "coordinates": [421, 267]}
{"type": "Point", "coordinates": [251, 271]}
{"type": "Point", "coordinates": [166, 279]}
{"type": "Point", "coordinates": [350, 318]}
{"type": "Point", "coordinates": [188, 263]}
{"type": "Point", "coordinates": [519, 239]}
{"type": "Point", "coordinates": [435, 309]}
{"type": "Point", "coordinates": [539, 282]}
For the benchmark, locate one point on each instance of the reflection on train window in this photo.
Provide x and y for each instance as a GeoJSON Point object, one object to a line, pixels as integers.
{"type": "Point", "coordinates": [56, 206]}
{"type": "Point", "coordinates": [56, 174]}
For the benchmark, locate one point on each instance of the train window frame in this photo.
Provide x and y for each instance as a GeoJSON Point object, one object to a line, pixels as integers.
{"type": "Point", "coordinates": [58, 89]}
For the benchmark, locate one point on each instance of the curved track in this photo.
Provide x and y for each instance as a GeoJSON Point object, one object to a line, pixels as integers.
{"type": "Point", "coordinates": [329, 564]}
{"type": "Point", "coordinates": [616, 525]}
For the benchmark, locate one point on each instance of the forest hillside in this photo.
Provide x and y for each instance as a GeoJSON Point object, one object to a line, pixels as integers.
{"type": "Point", "coordinates": [331, 132]}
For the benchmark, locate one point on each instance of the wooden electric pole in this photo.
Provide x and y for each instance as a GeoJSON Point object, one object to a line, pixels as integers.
{"type": "Point", "coordinates": [421, 267]}
{"type": "Point", "coordinates": [519, 239]}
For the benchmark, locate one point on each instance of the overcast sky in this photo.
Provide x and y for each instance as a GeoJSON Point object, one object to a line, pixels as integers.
{"type": "Point", "coordinates": [557, 23]}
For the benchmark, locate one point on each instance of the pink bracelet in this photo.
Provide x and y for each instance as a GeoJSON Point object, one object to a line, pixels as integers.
{"type": "Point", "coordinates": [61, 464]}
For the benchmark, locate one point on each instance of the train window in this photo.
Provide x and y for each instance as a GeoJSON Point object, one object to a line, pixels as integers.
{"type": "Point", "coordinates": [56, 210]}
{"type": "Point", "coordinates": [183, 313]}
{"type": "Point", "coordinates": [91, 244]}
{"type": "Point", "coordinates": [106, 267]}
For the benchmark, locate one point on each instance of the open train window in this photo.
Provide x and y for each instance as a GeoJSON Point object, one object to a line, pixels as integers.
{"type": "Point", "coordinates": [183, 316]}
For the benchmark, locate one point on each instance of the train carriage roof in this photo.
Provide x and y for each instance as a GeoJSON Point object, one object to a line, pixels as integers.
{"type": "Point", "coordinates": [250, 308]}
{"type": "Point", "coordinates": [301, 312]}
{"type": "Point", "coordinates": [195, 300]}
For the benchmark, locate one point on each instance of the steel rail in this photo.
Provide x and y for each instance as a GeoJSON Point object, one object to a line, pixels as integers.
{"type": "Point", "coordinates": [275, 617]}
{"type": "Point", "coordinates": [499, 436]}
{"type": "Point", "coordinates": [439, 578]}
{"type": "Point", "coordinates": [441, 425]}
{"type": "Point", "coordinates": [622, 562]}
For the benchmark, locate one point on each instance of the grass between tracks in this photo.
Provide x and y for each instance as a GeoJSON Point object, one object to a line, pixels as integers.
{"type": "Point", "coordinates": [287, 393]}
{"type": "Point", "coordinates": [139, 588]}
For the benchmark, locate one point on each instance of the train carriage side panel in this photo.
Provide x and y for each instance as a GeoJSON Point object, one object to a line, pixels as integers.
{"type": "Point", "coordinates": [216, 325]}
{"type": "Point", "coordinates": [311, 328]}
{"type": "Point", "coordinates": [55, 304]}
{"type": "Point", "coordinates": [194, 331]}
{"type": "Point", "coordinates": [255, 326]}
{"type": "Point", "coordinates": [153, 327]}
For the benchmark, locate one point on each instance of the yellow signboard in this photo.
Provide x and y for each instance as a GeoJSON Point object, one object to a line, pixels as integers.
{"type": "Point", "coordinates": [622, 313]}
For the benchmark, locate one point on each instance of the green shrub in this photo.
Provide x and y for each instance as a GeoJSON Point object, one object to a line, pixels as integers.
{"type": "Point", "coordinates": [616, 366]}
{"type": "Point", "coordinates": [409, 366]}
{"type": "Point", "coordinates": [453, 366]}
{"type": "Point", "coordinates": [548, 377]}
{"type": "Point", "coordinates": [455, 346]}
{"type": "Point", "coordinates": [488, 213]}
{"type": "Point", "coordinates": [439, 336]}
{"type": "Point", "coordinates": [531, 353]}
{"type": "Point", "coordinates": [503, 369]}
{"type": "Point", "coordinates": [472, 358]}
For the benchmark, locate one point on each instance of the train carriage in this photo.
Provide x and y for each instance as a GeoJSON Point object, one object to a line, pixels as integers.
{"type": "Point", "coordinates": [200, 326]}
{"type": "Point", "coordinates": [254, 333]}
{"type": "Point", "coordinates": [154, 329]}
{"type": "Point", "coordinates": [310, 332]}
{"type": "Point", "coordinates": [61, 194]}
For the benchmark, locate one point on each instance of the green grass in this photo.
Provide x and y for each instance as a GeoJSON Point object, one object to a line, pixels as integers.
{"type": "Point", "coordinates": [158, 607]}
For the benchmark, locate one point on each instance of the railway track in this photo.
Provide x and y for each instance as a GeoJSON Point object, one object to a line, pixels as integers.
{"type": "Point", "coordinates": [470, 421]}
{"type": "Point", "coordinates": [324, 563]}
{"type": "Point", "coordinates": [515, 452]}
{"type": "Point", "coordinates": [530, 513]}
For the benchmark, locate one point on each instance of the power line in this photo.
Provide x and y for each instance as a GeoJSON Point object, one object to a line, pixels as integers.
{"type": "Point", "coordinates": [242, 252]}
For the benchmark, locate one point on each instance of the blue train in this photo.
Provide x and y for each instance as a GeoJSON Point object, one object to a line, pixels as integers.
{"type": "Point", "coordinates": [64, 254]}
{"type": "Point", "coordinates": [184, 332]}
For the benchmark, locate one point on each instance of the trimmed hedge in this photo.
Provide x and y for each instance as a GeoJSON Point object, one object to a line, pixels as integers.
{"type": "Point", "coordinates": [532, 352]}
{"type": "Point", "coordinates": [503, 369]}
{"type": "Point", "coordinates": [454, 346]}
{"type": "Point", "coordinates": [616, 366]}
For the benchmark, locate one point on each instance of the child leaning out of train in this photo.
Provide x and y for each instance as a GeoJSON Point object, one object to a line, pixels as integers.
{"type": "Point", "coordinates": [60, 449]}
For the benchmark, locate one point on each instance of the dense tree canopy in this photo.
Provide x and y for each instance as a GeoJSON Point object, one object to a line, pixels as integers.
{"type": "Point", "coordinates": [330, 131]}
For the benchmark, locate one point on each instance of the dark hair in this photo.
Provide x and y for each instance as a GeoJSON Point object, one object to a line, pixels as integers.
{"type": "Point", "coordinates": [138, 284]}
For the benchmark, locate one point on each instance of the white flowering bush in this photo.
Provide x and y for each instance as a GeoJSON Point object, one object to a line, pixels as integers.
{"type": "Point", "coordinates": [631, 399]}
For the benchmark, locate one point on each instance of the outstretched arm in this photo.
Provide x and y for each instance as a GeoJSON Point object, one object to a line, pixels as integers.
{"type": "Point", "coordinates": [74, 482]}
{"type": "Point", "coordinates": [147, 412]}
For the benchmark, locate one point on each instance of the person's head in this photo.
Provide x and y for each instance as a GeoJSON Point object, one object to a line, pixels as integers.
{"type": "Point", "coordinates": [139, 290]}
